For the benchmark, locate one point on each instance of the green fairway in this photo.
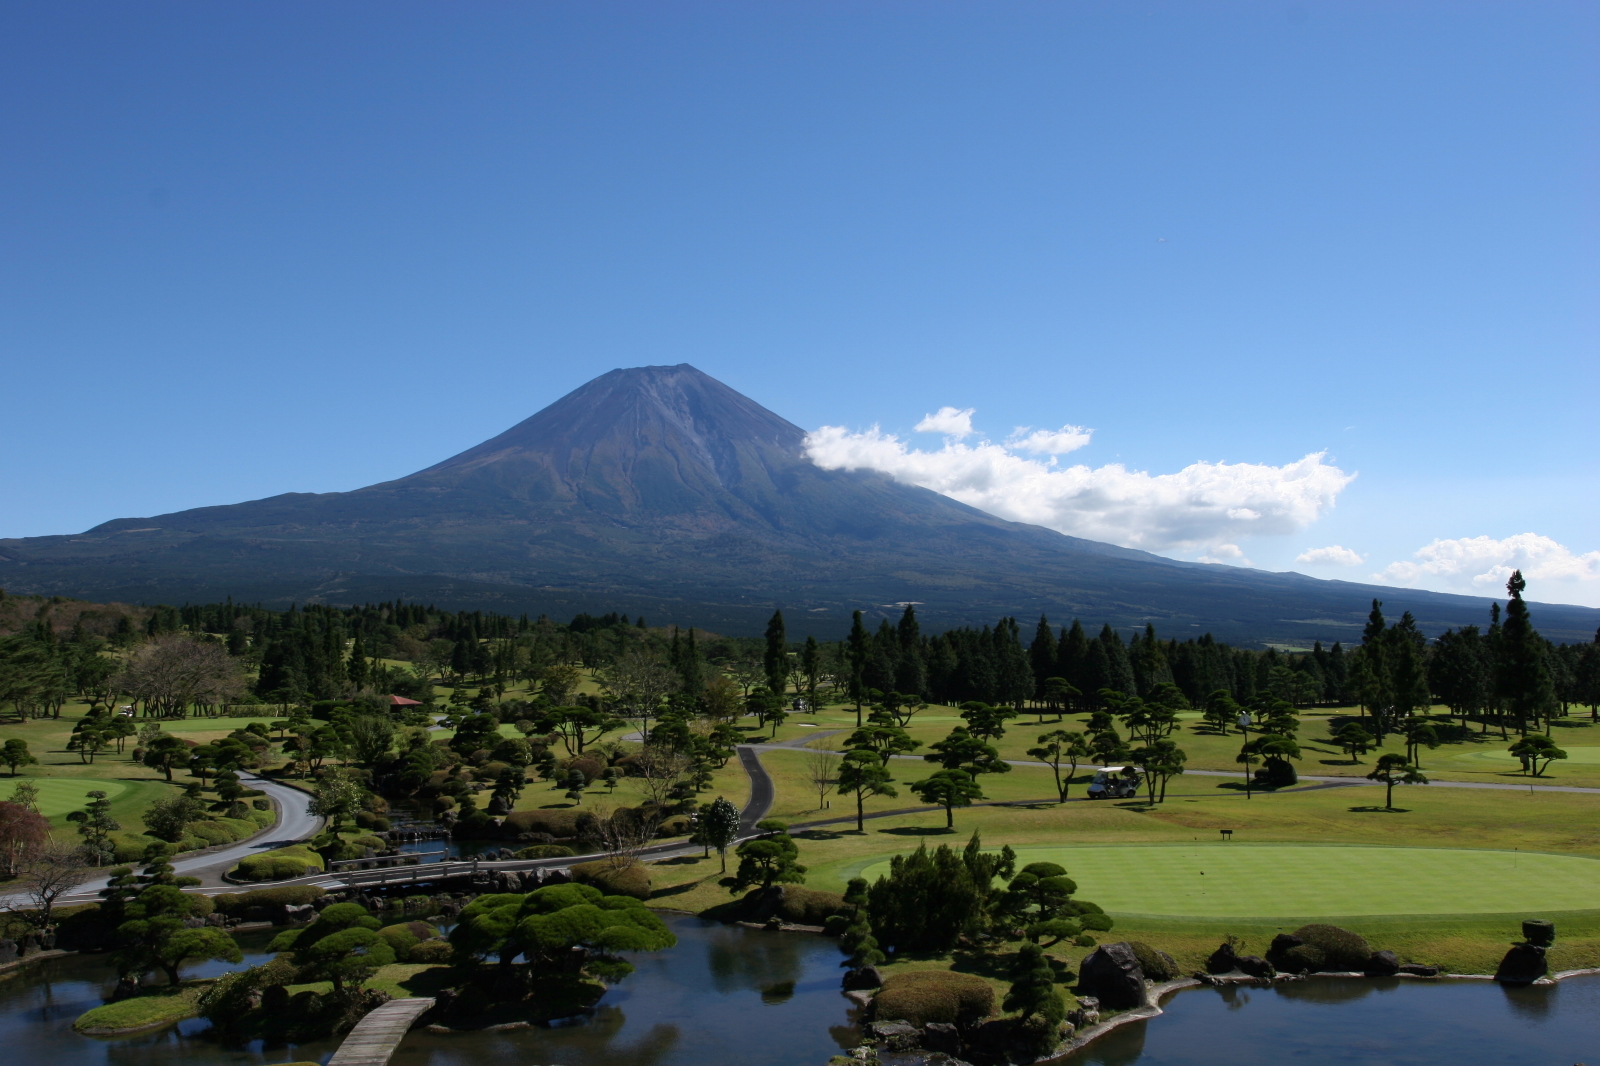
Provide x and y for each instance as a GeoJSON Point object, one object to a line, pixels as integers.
{"type": "Point", "coordinates": [1300, 880]}
{"type": "Point", "coordinates": [58, 795]}
{"type": "Point", "coordinates": [1588, 756]}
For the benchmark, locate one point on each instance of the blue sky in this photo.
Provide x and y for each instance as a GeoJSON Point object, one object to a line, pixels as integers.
{"type": "Point", "coordinates": [254, 248]}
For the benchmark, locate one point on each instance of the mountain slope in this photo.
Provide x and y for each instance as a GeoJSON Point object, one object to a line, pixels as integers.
{"type": "Point", "coordinates": [661, 490]}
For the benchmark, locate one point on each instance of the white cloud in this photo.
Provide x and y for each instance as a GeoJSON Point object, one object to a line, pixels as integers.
{"type": "Point", "coordinates": [951, 421]}
{"type": "Point", "coordinates": [1230, 554]}
{"type": "Point", "coordinates": [1201, 506]}
{"type": "Point", "coordinates": [1482, 565]}
{"type": "Point", "coordinates": [1332, 555]}
{"type": "Point", "coordinates": [1049, 441]}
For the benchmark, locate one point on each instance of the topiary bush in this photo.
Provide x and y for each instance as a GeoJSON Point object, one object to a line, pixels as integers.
{"type": "Point", "coordinates": [237, 904]}
{"type": "Point", "coordinates": [1157, 965]}
{"type": "Point", "coordinates": [630, 879]}
{"type": "Point", "coordinates": [924, 996]}
{"type": "Point", "coordinates": [807, 906]}
{"type": "Point", "coordinates": [563, 824]}
{"type": "Point", "coordinates": [546, 851]}
{"type": "Point", "coordinates": [434, 951]}
{"type": "Point", "coordinates": [1320, 948]}
{"type": "Point", "coordinates": [278, 865]}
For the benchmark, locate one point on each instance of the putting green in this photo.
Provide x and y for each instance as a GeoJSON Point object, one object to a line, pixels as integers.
{"type": "Point", "coordinates": [1587, 756]}
{"type": "Point", "coordinates": [58, 795]}
{"type": "Point", "coordinates": [1303, 880]}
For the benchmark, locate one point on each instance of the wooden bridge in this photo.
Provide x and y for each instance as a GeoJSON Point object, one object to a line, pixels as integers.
{"type": "Point", "coordinates": [376, 1036]}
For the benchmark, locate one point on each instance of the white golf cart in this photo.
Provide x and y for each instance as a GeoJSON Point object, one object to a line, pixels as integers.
{"type": "Point", "coordinates": [1114, 782]}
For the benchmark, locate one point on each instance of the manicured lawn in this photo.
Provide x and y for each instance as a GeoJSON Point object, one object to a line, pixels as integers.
{"type": "Point", "coordinates": [1214, 880]}
{"type": "Point", "coordinates": [58, 795]}
{"type": "Point", "coordinates": [163, 1006]}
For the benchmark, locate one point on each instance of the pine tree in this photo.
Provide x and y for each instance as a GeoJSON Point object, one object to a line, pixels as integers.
{"type": "Point", "coordinates": [776, 659]}
{"type": "Point", "coordinates": [1042, 653]}
{"type": "Point", "coordinates": [1522, 675]}
{"type": "Point", "coordinates": [857, 649]}
{"type": "Point", "coordinates": [1033, 989]}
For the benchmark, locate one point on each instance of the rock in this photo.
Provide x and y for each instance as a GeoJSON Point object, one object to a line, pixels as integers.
{"type": "Point", "coordinates": [1255, 966]}
{"type": "Point", "coordinates": [1383, 964]}
{"type": "Point", "coordinates": [1538, 931]}
{"type": "Point", "coordinates": [1282, 943]}
{"type": "Point", "coordinates": [1416, 969]}
{"type": "Point", "coordinates": [895, 1036]}
{"type": "Point", "coordinates": [863, 978]}
{"type": "Point", "coordinates": [941, 1036]}
{"type": "Point", "coordinates": [1523, 965]}
{"type": "Point", "coordinates": [275, 1000]}
{"type": "Point", "coordinates": [8, 950]}
{"type": "Point", "coordinates": [194, 922]}
{"type": "Point", "coordinates": [126, 987]}
{"type": "Point", "coordinates": [1083, 1017]}
{"type": "Point", "coordinates": [1111, 974]}
{"type": "Point", "coordinates": [988, 1040]}
{"type": "Point", "coordinates": [1223, 960]}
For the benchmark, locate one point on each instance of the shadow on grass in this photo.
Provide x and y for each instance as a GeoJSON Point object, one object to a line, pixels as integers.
{"type": "Point", "coordinates": [918, 831]}
{"type": "Point", "coordinates": [682, 860]}
{"type": "Point", "coordinates": [1380, 810]}
{"type": "Point", "coordinates": [677, 890]}
{"type": "Point", "coordinates": [821, 834]}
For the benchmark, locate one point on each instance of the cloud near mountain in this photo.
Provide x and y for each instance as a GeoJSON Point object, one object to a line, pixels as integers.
{"type": "Point", "coordinates": [1482, 565]}
{"type": "Point", "coordinates": [1203, 506]}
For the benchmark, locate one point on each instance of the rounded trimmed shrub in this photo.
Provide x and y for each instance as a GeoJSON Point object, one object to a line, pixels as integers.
{"type": "Point", "coordinates": [924, 996]}
{"type": "Point", "coordinates": [1318, 948]}
{"type": "Point", "coordinates": [1157, 965]}
{"type": "Point", "coordinates": [807, 906]}
{"type": "Point", "coordinates": [435, 950]}
{"type": "Point", "coordinates": [237, 903]}
{"type": "Point", "coordinates": [1341, 949]}
{"type": "Point", "coordinates": [279, 865]}
{"type": "Point", "coordinates": [632, 879]}
{"type": "Point", "coordinates": [546, 851]}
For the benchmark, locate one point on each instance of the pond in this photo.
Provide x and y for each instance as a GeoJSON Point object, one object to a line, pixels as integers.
{"type": "Point", "coordinates": [1338, 1021]}
{"type": "Point", "coordinates": [39, 1004]}
{"type": "Point", "coordinates": [729, 996]}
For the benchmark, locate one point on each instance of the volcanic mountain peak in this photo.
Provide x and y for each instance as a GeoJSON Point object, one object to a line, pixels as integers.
{"type": "Point", "coordinates": [659, 489]}
{"type": "Point", "coordinates": [632, 410]}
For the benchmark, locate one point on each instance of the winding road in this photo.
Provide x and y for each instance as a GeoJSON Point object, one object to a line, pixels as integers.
{"type": "Point", "coordinates": [295, 823]}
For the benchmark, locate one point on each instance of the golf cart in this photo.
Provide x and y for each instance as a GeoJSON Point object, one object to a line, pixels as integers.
{"type": "Point", "coordinates": [1114, 782]}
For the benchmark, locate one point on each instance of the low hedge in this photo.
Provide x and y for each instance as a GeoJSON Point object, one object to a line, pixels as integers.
{"type": "Point", "coordinates": [923, 996]}
{"type": "Point", "coordinates": [278, 865]}
{"type": "Point", "coordinates": [630, 879]}
{"type": "Point", "coordinates": [565, 823]}
{"type": "Point", "coordinates": [807, 906]}
{"type": "Point", "coordinates": [236, 904]}
{"type": "Point", "coordinates": [546, 851]}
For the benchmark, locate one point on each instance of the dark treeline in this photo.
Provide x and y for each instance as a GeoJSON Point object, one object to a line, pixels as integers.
{"type": "Point", "coordinates": [1506, 673]}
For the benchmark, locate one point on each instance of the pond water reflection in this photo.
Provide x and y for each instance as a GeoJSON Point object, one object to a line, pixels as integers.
{"type": "Point", "coordinates": [1340, 1021]}
{"type": "Point", "coordinates": [729, 996]}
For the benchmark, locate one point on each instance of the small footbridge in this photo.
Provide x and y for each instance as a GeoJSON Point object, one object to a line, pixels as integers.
{"type": "Point", "coordinates": [376, 1036]}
